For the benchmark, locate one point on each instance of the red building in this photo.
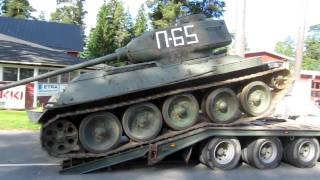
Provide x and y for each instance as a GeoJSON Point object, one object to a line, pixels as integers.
{"type": "Point", "coordinates": [270, 57]}
{"type": "Point", "coordinates": [311, 77]}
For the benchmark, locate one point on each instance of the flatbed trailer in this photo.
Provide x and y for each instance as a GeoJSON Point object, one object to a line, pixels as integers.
{"type": "Point", "coordinates": [294, 137]}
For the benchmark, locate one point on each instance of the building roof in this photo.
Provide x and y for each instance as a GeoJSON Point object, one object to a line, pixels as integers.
{"type": "Point", "coordinates": [13, 50]}
{"type": "Point", "coordinates": [278, 55]}
{"type": "Point", "coordinates": [50, 34]}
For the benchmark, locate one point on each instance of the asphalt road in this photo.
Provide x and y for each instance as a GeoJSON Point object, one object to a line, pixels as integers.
{"type": "Point", "coordinates": [22, 158]}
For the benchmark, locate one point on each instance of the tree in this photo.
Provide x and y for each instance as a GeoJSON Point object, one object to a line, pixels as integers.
{"type": "Point", "coordinates": [285, 47]}
{"type": "Point", "coordinates": [69, 12]}
{"type": "Point", "coordinates": [141, 23]}
{"type": "Point", "coordinates": [2, 2]}
{"type": "Point", "coordinates": [42, 16]}
{"type": "Point", "coordinates": [165, 12]}
{"type": "Point", "coordinates": [16, 9]}
{"type": "Point", "coordinates": [311, 59]}
{"type": "Point", "coordinates": [111, 31]}
{"type": "Point", "coordinates": [313, 42]}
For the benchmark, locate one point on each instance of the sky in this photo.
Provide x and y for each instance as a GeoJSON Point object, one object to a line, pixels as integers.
{"type": "Point", "coordinates": [267, 21]}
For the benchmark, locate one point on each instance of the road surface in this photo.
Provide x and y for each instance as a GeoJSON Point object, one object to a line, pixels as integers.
{"type": "Point", "coordinates": [22, 158]}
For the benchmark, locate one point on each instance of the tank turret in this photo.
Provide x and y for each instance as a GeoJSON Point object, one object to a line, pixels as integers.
{"type": "Point", "coordinates": [190, 38]}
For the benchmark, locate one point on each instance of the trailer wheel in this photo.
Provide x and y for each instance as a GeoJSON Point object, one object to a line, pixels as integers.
{"type": "Point", "coordinates": [203, 153]}
{"type": "Point", "coordinates": [264, 153]}
{"type": "Point", "coordinates": [223, 153]}
{"type": "Point", "coordinates": [302, 152]}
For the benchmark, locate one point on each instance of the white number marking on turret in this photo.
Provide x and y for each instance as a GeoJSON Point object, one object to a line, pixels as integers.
{"type": "Point", "coordinates": [190, 35]}
{"type": "Point", "coordinates": [165, 38]}
{"type": "Point", "coordinates": [177, 40]}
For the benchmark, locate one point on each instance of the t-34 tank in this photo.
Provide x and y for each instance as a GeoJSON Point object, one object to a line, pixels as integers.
{"type": "Point", "coordinates": [174, 77]}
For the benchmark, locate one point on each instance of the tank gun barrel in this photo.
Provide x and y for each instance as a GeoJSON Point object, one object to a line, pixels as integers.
{"type": "Point", "coordinates": [191, 38]}
{"type": "Point", "coordinates": [92, 62]}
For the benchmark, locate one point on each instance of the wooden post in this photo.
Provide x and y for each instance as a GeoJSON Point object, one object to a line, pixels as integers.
{"type": "Point", "coordinates": [240, 28]}
{"type": "Point", "coordinates": [300, 42]}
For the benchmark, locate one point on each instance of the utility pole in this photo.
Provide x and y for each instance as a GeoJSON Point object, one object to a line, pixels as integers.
{"type": "Point", "coordinates": [240, 40]}
{"type": "Point", "coordinates": [300, 42]}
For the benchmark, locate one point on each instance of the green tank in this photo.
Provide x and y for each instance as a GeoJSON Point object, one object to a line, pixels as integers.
{"type": "Point", "coordinates": [177, 74]}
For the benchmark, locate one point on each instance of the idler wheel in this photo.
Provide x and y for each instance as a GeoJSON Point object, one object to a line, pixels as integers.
{"type": "Point", "coordinates": [255, 98]}
{"type": "Point", "coordinates": [100, 132]}
{"type": "Point", "coordinates": [60, 137]}
{"type": "Point", "coordinates": [278, 81]}
{"type": "Point", "coordinates": [180, 111]}
{"type": "Point", "coordinates": [221, 106]}
{"type": "Point", "coordinates": [142, 122]}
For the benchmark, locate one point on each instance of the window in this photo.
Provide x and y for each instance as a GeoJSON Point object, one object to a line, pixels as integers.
{"type": "Point", "coordinates": [25, 73]}
{"type": "Point", "coordinates": [64, 78]}
{"type": "Point", "coordinates": [68, 76]}
{"type": "Point", "coordinates": [53, 79]}
{"type": "Point", "coordinates": [73, 74]}
{"type": "Point", "coordinates": [42, 71]}
{"type": "Point", "coordinates": [10, 74]}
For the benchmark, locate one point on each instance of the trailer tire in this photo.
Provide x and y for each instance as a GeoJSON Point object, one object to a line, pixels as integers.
{"type": "Point", "coordinates": [301, 152]}
{"type": "Point", "coordinates": [203, 153]}
{"type": "Point", "coordinates": [263, 153]}
{"type": "Point", "coordinates": [223, 153]}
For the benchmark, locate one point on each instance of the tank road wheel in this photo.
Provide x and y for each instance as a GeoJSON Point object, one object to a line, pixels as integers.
{"type": "Point", "coordinates": [142, 122]}
{"type": "Point", "coordinates": [255, 98]}
{"type": "Point", "coordinates": [60, 137]}
{"type": "Point", "coordinates": [224, 153]}
{"type": "Point", "coordinates": [180, 111]}
{"type": "Point", "coordinates": [263, 153]}
{"type": "Point", "coordinates": [302, 152]}
{"type": "Point", "coordinates": [278, 82]}
{"type": "Point", "coordinates": [100, 132]}
{"type": "Point", "coordinates": [221, 106]}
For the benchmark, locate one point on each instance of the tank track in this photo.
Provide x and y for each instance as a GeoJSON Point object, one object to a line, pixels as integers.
{"type": "Point", "coordinates": [276, 97]}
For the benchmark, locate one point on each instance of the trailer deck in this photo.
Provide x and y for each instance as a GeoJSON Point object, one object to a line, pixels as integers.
{"type": "Point", "coordinates": [173, 141]}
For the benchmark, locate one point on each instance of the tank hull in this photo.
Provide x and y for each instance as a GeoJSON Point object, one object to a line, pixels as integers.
{"type": "Point", "coordinates": [106, 87]}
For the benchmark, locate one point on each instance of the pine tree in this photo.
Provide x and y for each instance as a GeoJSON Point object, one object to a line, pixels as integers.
{"type": "Point", "coordinates": [165, 12]}
{"type": "Point", "coordinates": [141, 23]}
{"type": "Point", "coordinates": [2, 2]}
{"type": "Point", "coordinates": [17, 9]}
{"type": "Point", "coordinates": [69, 12]}
{"type": "Point", "coordinates": [41, 16]}
{"type": "Point", "coordinates": [111, 31]}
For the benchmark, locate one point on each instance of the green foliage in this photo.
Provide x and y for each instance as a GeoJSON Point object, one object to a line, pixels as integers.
{"type": "Point", "coordinates": [310, 64]}
{"type": "Point", "coordinates": [165, 12]}
{"type": "Point", "coordinates": [111, 31]}
{"type": "Point", "coordinates": [41, 16]}
{"type": "Point", "coordinates": [313, 48]}
{"type": "Point", "coordinates": [313, 42]}
{"type": "Point", "coordinates": [141, 23]}
{"type": "Point", "coordinates": [69, 12]}
{"type": "Point", "coordinates": [2, 2]}
{"type": "Point", "coordinates": [16, 8]}
{"type": "Point", "coordinates": [285, 47]}
{"type": "Point", "coordinates": [311, 59]}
